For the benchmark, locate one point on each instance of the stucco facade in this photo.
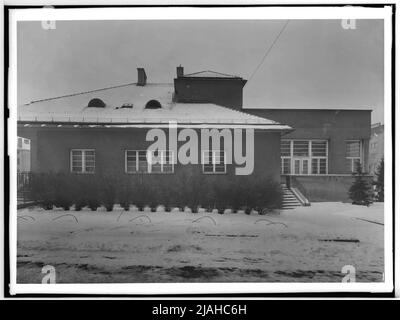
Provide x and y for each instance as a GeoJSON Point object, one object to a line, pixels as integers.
{"type": "Point", "coordinates": [334, 126]}
{"type": "Point", "coordinates": [51, 149]}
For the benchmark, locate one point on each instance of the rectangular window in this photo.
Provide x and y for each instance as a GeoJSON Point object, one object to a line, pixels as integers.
{"type": "Point", "coordinates": [83, 160]}
{"type": "Point", "coordinates": [301, 148]}
{"type": "Point", "coordinates": [296, 166]}
{"type": "Point", "coordinates": [286, 165]}
{"type": "Point", "coordinates": [285, 148]}
{"type": "Point", "coordinates": [214, 162]}
{"type": "Point", "coordinates": [304, 157]}
{"type": "Point", "coordinates": [305, 166]}
{"type": "Point", "coordinates": [318, 166]}
{"type": "Point", "coordinates": [318, 148]}
{"type": "Point", "coordinates": [353, 154]}
{"type": "Point", "coordinates": [314, 166]}
{"type": "Point", "coordinates": [143, 161]}
{"type": "Point", "coordinates": [322, 166]}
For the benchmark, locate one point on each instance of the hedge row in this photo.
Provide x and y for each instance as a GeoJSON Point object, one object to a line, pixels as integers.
{"type": "Point", "coordinates": [177, 190]}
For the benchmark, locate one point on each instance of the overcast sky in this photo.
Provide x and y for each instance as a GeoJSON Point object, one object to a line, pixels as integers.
{"type": "Point", "coordinates": [314, 63]}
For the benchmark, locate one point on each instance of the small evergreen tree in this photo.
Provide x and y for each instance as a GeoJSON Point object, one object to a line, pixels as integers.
{"type": "Point", "coordinates": [360, 191]}
{"type": "Point", "coordinates": [380, 181]}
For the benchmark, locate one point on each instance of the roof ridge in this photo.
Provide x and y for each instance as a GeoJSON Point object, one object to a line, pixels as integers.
{"type": "Point", "coordinates": [216, 72]}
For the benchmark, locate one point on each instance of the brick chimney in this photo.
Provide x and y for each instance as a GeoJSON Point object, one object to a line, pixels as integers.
{"type": "Point", "coordinates": [142, 78]}
{"type": "Point", "coordinates": [179, 71]}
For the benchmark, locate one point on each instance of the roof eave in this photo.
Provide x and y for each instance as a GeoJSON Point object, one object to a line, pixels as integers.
{"type": "Point", "coordinates": [257, 126]}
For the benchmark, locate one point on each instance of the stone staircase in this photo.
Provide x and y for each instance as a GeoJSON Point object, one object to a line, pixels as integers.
{"type": "Point", "coordinates": [289, 199]}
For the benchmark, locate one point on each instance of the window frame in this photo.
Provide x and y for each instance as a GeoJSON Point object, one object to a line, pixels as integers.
{"type": "Point", "coordinates": [308, 158]}
{"type": "Point", "coordinates": [149, 163]}
{"type": "Point", "coordinates": [283, 158]}
{"type": "Point", "coordinates": [352, 159]}
{"type": "Point", "coordinates": [214, 164]}
{"type": "Point", "coordinates": [83, 159]}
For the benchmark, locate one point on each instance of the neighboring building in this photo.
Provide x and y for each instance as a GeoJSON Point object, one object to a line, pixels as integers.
{"type": "Point", "coordinates": [105, 130]}
{"type": "Point", "coordinates": [23, 155]}
{"type": "Point", "coordinates": [376, 147]}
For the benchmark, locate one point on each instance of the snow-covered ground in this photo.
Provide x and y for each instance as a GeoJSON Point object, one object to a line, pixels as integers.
{"type": "Point", "coordinates": [118, 246]}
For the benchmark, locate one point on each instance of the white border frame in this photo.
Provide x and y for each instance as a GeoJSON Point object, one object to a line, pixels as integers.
{"type": "Point", "coordinates": [186, 13]}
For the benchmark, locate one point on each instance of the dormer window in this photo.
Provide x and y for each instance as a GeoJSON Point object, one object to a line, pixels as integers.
{"type": "Point", "coordinates": [153, 104]}
{"type": "Point", "coordinates": [96, 103]}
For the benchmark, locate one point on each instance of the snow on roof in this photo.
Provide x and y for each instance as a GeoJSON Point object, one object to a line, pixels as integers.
{"type": "Point", "coordinates": [74, 109]}
{"type": "Point", "coordinates": [210, 74]}
{"type": "Point", "coordinates": [113, 97]}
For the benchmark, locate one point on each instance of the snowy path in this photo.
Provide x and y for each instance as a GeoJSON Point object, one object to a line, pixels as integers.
{"type": "Point", "coordinates": [184, 247]}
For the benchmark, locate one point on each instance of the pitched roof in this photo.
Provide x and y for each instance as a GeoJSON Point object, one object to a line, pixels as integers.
{"type": "Point", "coordinates": [113, 97]}
{"type": "Point", "coordinates": [74, 109]}
{"type": "Point", "coordinates": [210, 74]}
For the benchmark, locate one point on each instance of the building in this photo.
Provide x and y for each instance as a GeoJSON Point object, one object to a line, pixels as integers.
{"type": "Point", "coordinates": [320, 155]}
{"type": "Point", "coordinates": [23, 155]}
{"type": "Point", "coordinates": [105, 130]}
{"type": "Point", "coordinates": [376, 147]}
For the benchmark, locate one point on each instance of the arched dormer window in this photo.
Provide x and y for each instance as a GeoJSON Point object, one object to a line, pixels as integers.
{"type": "Point", "coordinates": [153, 104]}
{"type": "Point", "coordinates": [96, 103]}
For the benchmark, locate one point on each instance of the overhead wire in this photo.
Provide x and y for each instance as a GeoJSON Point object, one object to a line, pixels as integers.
{"type": "Point", "coordinates": [268, 50]}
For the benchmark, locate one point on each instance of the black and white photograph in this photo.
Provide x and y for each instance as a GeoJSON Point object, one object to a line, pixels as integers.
{"type": "Point", "coordinates": [200, 150]}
